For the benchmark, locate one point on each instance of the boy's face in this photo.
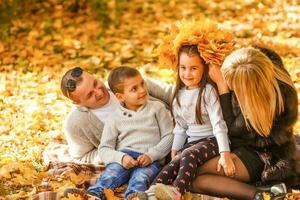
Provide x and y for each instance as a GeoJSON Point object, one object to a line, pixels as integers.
{"type": "Point", "coordinates": [135, 92]}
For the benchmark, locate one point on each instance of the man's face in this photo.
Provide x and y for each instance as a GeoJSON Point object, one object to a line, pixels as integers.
{"type": "Point", "coordinates": [90, 92]}
{"type": "Point", "coordinates": [135, 92]}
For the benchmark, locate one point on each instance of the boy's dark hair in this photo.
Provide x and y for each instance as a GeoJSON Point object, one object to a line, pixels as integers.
{"type": "Point", "coordinates": [117, 76]}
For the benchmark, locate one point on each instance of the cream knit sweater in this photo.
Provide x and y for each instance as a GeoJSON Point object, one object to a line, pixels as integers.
{"type": "Point", "coordinates": [147, 130]}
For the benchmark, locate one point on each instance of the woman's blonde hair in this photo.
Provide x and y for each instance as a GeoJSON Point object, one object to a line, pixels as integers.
{"type": "Point", "coordinates": [254, 80]}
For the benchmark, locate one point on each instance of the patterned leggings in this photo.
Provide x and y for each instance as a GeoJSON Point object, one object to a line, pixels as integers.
{"type": "Point", "coordinates": [182, 170]}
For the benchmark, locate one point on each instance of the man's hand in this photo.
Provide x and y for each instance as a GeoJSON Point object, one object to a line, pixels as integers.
{"type": "Point", "coordinates": [226, 162]}
{"type": "Point", "coordinates": [128, 162]}
{"type": "Point", "coordinates": [144, 160]}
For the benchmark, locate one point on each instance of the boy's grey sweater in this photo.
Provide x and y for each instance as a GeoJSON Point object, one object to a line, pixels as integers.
{"type": "Point", "coordinates": [83, 130]}
{"type": "Point", "coordinates": [147, 130]}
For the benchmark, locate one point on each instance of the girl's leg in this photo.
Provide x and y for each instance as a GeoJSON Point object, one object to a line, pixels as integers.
{"type": "Point", "coordinates": [168, 174]}
{"type": "Point", "coordinates": [191, 159]}
{"type": "Point", "coordinates": [217, 184]}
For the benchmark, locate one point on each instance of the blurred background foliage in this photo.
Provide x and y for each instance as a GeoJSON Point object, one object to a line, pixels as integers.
{"type": "Point", "coordinates": [107, 11]}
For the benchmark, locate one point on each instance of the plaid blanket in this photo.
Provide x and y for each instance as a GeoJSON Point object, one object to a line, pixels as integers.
{"type": "Point", "coordinates": [89, 170]}
{"type": "Point", "coordinates": [90, 173]}
{"type": "Point", "coordinates": [59, 162]}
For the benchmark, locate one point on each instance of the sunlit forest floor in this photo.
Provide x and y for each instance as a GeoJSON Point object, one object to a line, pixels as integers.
{"type": "Point", "coordinates": [50, 39]}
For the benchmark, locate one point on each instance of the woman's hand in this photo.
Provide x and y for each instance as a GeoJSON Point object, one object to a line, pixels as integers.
{"type": "Point", "coordinates": [217, 77]}
{"type": "Point", "coordinates": [226, 162]}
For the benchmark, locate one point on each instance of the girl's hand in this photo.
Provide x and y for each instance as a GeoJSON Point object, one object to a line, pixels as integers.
{"type": "Point", "coordinates": [217, 77]}
{"type": "Point", "coordinates": [173, 153]}
{"type": "Point", "coordinates": [226, 162]}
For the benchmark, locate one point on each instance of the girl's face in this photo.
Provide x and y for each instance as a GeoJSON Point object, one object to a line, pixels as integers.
{"type": "Point", "coordinates": [190, 70]}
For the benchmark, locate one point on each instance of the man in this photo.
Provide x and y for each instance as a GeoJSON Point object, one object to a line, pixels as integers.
{"type": "Point", "coordinates": [93, 103]}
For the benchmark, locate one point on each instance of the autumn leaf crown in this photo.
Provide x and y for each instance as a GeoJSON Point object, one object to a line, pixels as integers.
{"type": "Point", "coordinates": [213, 43]}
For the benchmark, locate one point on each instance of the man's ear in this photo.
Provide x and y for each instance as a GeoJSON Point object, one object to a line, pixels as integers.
{"type": "Point", "coordinates": [120, 96]}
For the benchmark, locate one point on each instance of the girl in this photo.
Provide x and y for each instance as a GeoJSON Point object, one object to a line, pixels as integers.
{"type": "Point", "coordinates": [199, 121]}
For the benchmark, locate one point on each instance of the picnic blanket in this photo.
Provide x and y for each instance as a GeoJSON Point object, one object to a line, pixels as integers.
{"type": "Point", "coordinates": [89, 173]}
{"type": "Point", "coordinates": [59, 162]}
{"type": "Point", "coordinates": [93, 172]}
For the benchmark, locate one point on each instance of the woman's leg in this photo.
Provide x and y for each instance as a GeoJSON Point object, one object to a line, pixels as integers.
{"type": "Point", "coordinates": [216, 183]}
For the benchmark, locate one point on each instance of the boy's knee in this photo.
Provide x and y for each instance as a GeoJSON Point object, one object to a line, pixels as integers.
{"type": "Point", "coordinates": [114, 169]}
{"type": "Point", "coordinates": [148, 174]}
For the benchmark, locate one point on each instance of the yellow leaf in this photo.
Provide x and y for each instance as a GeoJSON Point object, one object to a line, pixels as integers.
{"type": "Point", "coordinates": [109, 194]}
{"type": "Point", "coordinates": [266, 196]}
{"type": "Point", "coordinates": [19, 179]}
{"type": "Point", "coordinates": [7, 169]}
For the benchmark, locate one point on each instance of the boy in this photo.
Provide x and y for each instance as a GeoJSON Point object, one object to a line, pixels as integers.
{"type": "Point", "coordinates": [136, 137]}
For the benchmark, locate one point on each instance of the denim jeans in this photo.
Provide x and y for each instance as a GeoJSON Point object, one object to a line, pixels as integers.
{"type": "Point", "coordinates": [115, 175]}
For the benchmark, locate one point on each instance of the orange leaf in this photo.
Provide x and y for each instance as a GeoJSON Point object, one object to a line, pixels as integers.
{"type": "Point", "coordinates": [109, 194]}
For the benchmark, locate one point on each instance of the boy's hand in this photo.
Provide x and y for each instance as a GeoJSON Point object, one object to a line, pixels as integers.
{"type": "Point", "coordinates": [128, 162]}
{"type": "Point", "coordinates": [144, 160]}
{"type": "Point", "coordinates": [226, 162]}
{"type": "Point", "coordinates": [173, 153]}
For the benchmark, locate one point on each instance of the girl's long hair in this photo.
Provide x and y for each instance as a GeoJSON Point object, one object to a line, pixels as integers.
{"type": "Point", "coordinates": [192, 50]}
{"type": "Point", "coordinates": [255, 81]}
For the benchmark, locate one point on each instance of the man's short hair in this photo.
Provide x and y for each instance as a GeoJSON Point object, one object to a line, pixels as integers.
{"type": "Point", "coordinates": [118, 75]}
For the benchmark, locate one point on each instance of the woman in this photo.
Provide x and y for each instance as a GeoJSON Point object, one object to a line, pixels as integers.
{"type": "Point", "coordinates": [259, 104]}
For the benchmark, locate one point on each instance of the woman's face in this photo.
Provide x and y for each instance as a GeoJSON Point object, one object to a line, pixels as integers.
{"type": "Point", "coordinates": [190, 70]}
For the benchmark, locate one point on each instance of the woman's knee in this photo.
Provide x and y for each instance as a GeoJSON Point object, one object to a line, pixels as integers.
{"type": "Point", "coordinates": [199, 185]}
